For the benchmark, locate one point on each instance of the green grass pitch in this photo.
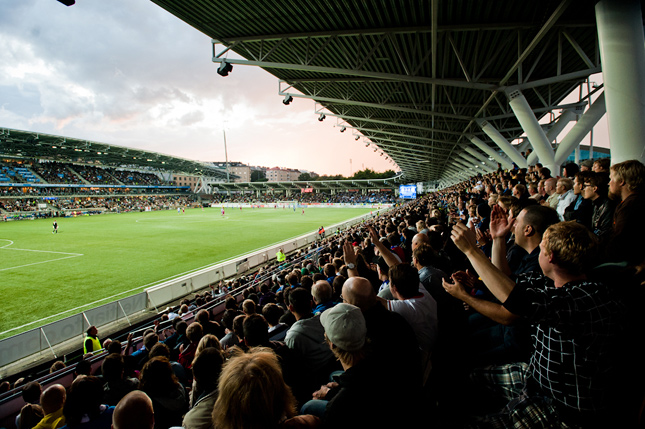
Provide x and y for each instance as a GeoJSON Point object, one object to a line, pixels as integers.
{"type": "Point", "coordinates": [109, 256]}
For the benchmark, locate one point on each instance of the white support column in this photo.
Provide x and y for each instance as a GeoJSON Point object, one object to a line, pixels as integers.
{"type": "Point", "coordinates": [566, 117]}
{"type": "Point", "coordinates": [533, 130]}
{"type": "Point", "coordinates": [482, 158]}
{"type": "Point", "coordinates": [477, 163]}
{"type": "Point", "coordinates": [506, 163]}
{"type": "Point", "coordinates": [581, 129]}
{"type": "Point", "coordinates": [503, 144]}
{"type": "Point", "coordinates": [622, 51]}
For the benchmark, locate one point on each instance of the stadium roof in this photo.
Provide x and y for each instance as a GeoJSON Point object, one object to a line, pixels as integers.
{"type": "Point", "coordinates": [316, 185]}
{"type": "Point", "coordinates": [417, 78]}
{"type": "Point", "coordinates": [28, 144]}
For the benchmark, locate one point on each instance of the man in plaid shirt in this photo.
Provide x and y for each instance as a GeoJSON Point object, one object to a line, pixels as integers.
{"type": "Point", "coordinates": [577, 324]}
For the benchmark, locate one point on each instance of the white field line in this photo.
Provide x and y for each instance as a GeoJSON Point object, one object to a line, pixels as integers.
{"type": "Point", "coordinates": [6, 247]}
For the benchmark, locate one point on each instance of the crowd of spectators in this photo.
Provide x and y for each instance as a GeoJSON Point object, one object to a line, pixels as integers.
{"type": "Point", "coordinates": [310, 198]}
{"type": "Point", "coordinates": [508, 300]}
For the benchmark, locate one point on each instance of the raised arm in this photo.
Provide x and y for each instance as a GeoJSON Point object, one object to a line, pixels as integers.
{"type": "Point", "coordinates": [495, 280]}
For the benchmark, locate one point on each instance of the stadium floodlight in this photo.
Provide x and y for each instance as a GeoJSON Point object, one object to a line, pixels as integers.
{"type": "Point", "coordinates": [321, 117]}
{"type": "Point", "coordinates": [367, 145]}
{"type": "Point", "coordinates": [287, 100]}
{"type": "Point", "coordinates": [342, 129]}
{"type": "Point", "coordinates": [357, 137]}
{"type": "Point", "coordinates": [224, 68]}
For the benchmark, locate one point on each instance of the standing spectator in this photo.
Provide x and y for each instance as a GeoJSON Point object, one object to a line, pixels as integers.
{"type": "Point", "coordinates": [627, 185]}
{"type": "Point", "coordinates": [91, 343]}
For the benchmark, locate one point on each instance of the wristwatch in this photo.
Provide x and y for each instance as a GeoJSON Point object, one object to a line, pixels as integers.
{"type": "Point", "coordinates": [351, 266]}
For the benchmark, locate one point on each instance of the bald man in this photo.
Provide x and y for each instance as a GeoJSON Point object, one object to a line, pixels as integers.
{"type": "Point", "coordinates": [52, 400]}
{"type": "Point", "coordinates": [134, 411]}
{"type": "Point", "coordinates": [419, 239]}
{"type": "Point", "coordinates": [549, 187]}
{"type": "Point", "coordinates": [393, 340]}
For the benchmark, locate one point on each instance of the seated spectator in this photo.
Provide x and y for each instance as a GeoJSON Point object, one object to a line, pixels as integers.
{"type": "Point", "coordinates": [180, 372]}
{"type": "Point", "coordinates": [230, 338]}
{"type": "Point", "coordinates": [307, 339]}
{"type": "Point", "coordinates": [134, 411]}
{"type": "Point", "coordinates": [209, 326]}
{"type": "Point", "coordinates": [358, 389]}
{"type": "Point", "coordinates": [30, 415]}
{"type": "Point", "coordinates": [580, 209]}
{"type": "Point", "coordinates": [626, 186]}
{"type": "Point", "coordinates": [564, 189]}
{"type": "Point", "coordinates": [206, 369]}
{"type": "Point", "coordinates": [169, 398]}
{"type": "Point", "coordinates": [253, 394]}
{"type": "Point", "coordinates": [186, 355]}
{"type": "Point", "coordinates": [116, 386]}
{"type": "Point", "coordinates": [140, 357]}
{"type": "Point", "coordinates": [83, 407]}
{"type": "Point", "coordinates": [272, 314]}
{"type": "Point", "coordinates": [57, 366]}
{"type": "Point", "coordinates": [322, 296]}
{"type": "Point", "coordinates": [595, 190]}
{"type": "Point", "coordinates": [52, 401]}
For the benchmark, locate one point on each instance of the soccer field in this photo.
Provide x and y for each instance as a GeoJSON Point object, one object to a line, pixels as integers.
{"type": "Point", "coordinates": [96, 259]}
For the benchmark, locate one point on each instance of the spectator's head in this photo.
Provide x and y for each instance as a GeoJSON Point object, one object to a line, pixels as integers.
{"type": "Point", "coordinates": [544, 173]}
{"type": "Point", "coordinates": [300, 302]}
{"type": "Point", "coordinates": [114, 347]}
{"type": "Point", "coordinates": [321, 292]}
{"type": "Point", "coordinates": [404, 281]}
{"type": "Point", "coordinates": [134, 411]}
{"type": "Point", "coordinates": [228, 317]}
{"type": "Point", "coordinates": [519, 191]}
{"type": "Point", "coordinates": [549, 185]}
{"type": "Point", "coordinates": [329, 270]}
{"type": "Point", "coordinates": [208, 341]}
{"type": "Point", "coordinates": [567, 246]}
{"type": "Point", "coordinates": [419, 239]}
{"type": "Point", "coordinates": [256, 330]}
{"type": "Point", "coordinates": [626, 177]}
{"type": "Point", "coordinates": [30, 415]}
{"type": "Point", "coordinates": [149, 340]}
{"type": "Point", "coordinates": [53, 398]}
{"type": "Point", "coordinates": [92, 331]}
{"type": "Point", "coordinates": [272, 313]}
{"type": "Point", "coordinates": [57, 366]}
{"type": "Point", "coordinates": [159, 349]}
{"type": "Point", "coordinates": [570, 170]}
{"type": "Point", "coordinates": [601, 165]}
{"type": "Point", "coordinates": [84, 367]}
{"type": "Point", "coordinates": [194, 332]}
{"type": "Point", "coordinates": [358, 291]}
{"type": "Point", "coordinates": [157, 376]}
{"type": "Point", "coordinates": [181, 327]}
{"type": "Point", "coordinates": [206, 368]}
{"type": "Point", "coordinates": [563, 185]}
{"type": "Point", "coordinates": [252, 392]}
{"type": "Point", "coordinates": [202, 317]}
{"type": "Point", "coordinates": [31, 392]}
{"type": "Point", "coordinates": [531, 224]}
{"type": "Point", "coordinates": [596, 185]}
{"type": "Point", "coordinates": [586, 165]}
{"type": "Point", "coordinates": [346, 333]}
{"type": "Point", "coordinates": [112, 367]}
{"type": "Point", "coordinates": [83, 400]}
{"type": "Point", "coordinates": [238, 325]}
{"type": "Point", "coordinates": [248, 307]}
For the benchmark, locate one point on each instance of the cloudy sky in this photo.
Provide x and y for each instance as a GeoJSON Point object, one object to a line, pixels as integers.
{"type": "Point", "coordinates": [127, 72]}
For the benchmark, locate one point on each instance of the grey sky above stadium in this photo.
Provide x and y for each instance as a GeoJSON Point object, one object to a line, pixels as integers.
{"type": "Point", "coordinates": [127, 72]}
